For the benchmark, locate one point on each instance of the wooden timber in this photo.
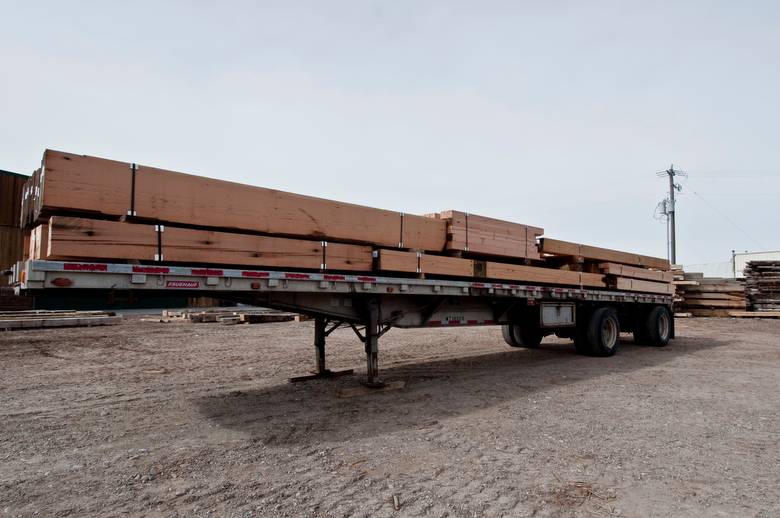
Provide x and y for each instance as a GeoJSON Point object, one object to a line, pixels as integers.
{"type": "Point", "coordinates": [397, 261]}
{"type": "Point", "coordinates": [489, 236]}
{"type": "Point", "coordinates": [520, 273]}
{"type": "Point", "coordinates": [72, 238]}
{"type": "Point", "coordinates": [446, 266]}
{"type": "Point", "coordinates": [622, 270]}
{"type": "Point", "coordinates": [565, 248]}
{"type": "Point", "coordinates": [11, 189]}
{"type": "Point", "coordinates": [411, 262]}
{"type": "Point", "coordinates": [79, 184]}
{"type": "Point", "coordinates": [755, 314]}
{"type": "Point", "coordinates": [625, 284]}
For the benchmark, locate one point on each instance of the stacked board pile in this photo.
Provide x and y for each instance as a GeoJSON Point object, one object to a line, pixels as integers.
{"type": "Point", "coordinates": [11, 236]}
{"type": "Point", "coordinates": [79, 207]}
{"type": "Point", "coordinates": [710, 296]}
{"type": "Point", "coordinates": [762, 279]}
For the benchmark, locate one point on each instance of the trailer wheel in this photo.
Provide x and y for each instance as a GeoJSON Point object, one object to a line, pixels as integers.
{"type": "Point", "coordinates": [601, 335]}
{"type": "Point", "coordinates": [656, 328]}
{"type": "Point", "coordinates": [521, 336]}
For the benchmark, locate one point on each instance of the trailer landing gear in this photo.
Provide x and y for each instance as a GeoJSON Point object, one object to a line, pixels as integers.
{"type": "Point", "coordinates": [368, 333]}
{"type": "Point", "coordinates": [321, 330]}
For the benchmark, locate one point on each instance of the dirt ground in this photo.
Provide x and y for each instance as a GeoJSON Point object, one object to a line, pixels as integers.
{"type": "Point", "coordinates": [198, 419]}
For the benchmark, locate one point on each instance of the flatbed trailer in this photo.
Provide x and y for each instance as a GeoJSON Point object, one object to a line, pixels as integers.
{"type": "Point", "coordinates": [371, 305]}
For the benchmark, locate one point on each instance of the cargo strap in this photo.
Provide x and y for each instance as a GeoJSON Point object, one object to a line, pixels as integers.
{"type": "Point", "coordinates": [133, 170]}
{"type": "Point", "coordinates": [159, 255]}
{"type": "Point", "coordinates": [401, 237]}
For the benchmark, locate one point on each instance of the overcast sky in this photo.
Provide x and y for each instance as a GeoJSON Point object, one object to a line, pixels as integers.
{"type": "Point", "coordinates": [556, 114]}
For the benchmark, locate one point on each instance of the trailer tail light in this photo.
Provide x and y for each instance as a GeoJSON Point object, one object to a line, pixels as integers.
{"type": "Point", "coordinates": [62, 282]}
{"type": "Point", "coordinates": [255, 285]}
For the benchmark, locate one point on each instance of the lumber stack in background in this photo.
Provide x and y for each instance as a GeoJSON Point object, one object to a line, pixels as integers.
{"type": "Point", "coordinates": [11, 235]}
{"type": "Point", "coordinates": [711, 296]}
{"type": "Point", "coordinates": [762, 280]}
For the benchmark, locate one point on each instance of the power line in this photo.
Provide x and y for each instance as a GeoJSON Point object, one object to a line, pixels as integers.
{"type": "Point", "coordinates": [724, 216]}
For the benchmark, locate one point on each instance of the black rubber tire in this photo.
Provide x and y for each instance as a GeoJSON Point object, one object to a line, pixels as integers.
{"type": "Point", "coordinates": [657, 327]}
{"type": "Point", "coordinates": [509, 337]}
{"type": "Point", "coordinates": [602, 333]}
{"type": "Point", "coordinates": [517, 335]}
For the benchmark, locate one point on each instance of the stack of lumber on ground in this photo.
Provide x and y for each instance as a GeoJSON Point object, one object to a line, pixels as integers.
{"type": "Point", "coordinates": [11, 302]}
{"type": "Point", "coordinates": [85, 208]}
{"type": "Point", "coordinates": [762, 279]}
{"type": "Point", "coordinates": [11, 235]}
{"type": "Point", "coordinates": [679, 281]}
{"type": "Point", "coordinates": [711, 296]}
{"type": "Point", "coordinates": [231, 316]}
{"type": "Point", "coordinates": [36, 319]}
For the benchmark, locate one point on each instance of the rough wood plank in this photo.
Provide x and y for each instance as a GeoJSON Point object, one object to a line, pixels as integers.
{"type": "Point", "coordinates": [625, 284]}
{"type": "Point", "coordinates": [521, 273]}
{"type": "Point", "coordinates": [397, 261]}
{"type": "Point", "coordinates": [449, 266]}
{"type": "Point", "coordinates": [622, 270]}
{"type": "Point", "coordinates": [755, 314]}
{"type": "Point", "coordinates": [565, 248]}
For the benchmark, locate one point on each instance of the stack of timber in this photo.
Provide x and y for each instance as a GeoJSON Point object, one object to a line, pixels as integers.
{"type": "Point", "coordinates": [230, 316]}
{"type": "Point", "coordinates": [711, 296]}
{"type": "Point", "coordinates": [480, 235]}
{"type": "Point", "coordinates": [762, 279]}
{"type": "Point", "coordinates": [11, 236]}
{"type": "Point", "coordinates": [79, 207]}
{"type": "Point", "coordinates": [36, 319]}
{"type": "Point", "coordinates": [11, 302]}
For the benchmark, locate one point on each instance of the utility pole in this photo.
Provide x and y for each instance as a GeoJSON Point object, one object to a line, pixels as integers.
{"type": "Point", "coordinates": [671, 209]}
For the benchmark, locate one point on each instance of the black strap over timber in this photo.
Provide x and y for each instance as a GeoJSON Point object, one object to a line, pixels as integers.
{"type": "Point", "coordinates": [133, 170]}
{"type": "Point", "coordinates": [159, 229]}
{"type": "Point", "coordinates": [467, 231]}
{"type": "Point", "coordinates": [401, 237]}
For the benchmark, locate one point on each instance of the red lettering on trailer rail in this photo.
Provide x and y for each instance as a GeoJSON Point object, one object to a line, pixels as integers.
{"type": "Point", "coordinates": [151, 269]}
{"type": "Point", "coordinates": [182, 284]}
{"type": "Point", "coordinates": [81, 267]}
{"type": "Point", "coordinates": [254, 274]}
{"type": "Point", "coordinates": [334, 277]}
{"type": "Point", "coordinates": [297, 276]}
{"type": "Point", "coordinates": [207, 272]}
{"type": "Point", "coordinates": [366, 279]}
